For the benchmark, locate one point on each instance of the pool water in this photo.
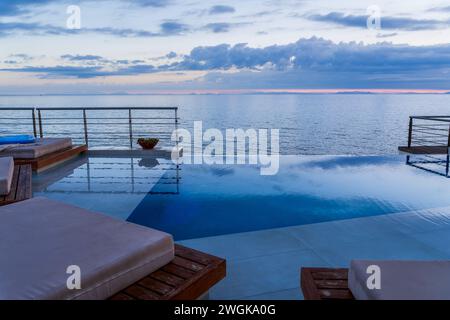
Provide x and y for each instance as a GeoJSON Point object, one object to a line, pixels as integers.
{"type": "Point", "coordinates": [195, 201]}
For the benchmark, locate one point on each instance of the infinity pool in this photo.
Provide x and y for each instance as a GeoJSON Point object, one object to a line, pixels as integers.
{"type": "Point", "coordinates": [195, 201]}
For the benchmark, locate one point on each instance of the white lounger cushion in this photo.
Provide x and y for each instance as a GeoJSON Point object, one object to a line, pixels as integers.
{"type": "Point", "coordinates": [38, 149]}
{"type": "Point", "coordinates": [40, 238]}
{"type": "Point", "coordinates": [402, 280]}
{"type": "Point", "coordinates": [6, 175]}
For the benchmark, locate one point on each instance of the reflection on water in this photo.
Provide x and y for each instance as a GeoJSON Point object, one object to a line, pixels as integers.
{"type": "Point", "coordinates": [113, 185]}
{"type": "Point", "coordinates": [217, 200]}
{"type": "Point", "coordinates": [192, 201]}
{"type": "Point", "coordinates": [437, 164]}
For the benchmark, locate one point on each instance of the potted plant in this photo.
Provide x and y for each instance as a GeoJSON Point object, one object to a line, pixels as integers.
{"type": "Point", "coordinates": [148, 143]}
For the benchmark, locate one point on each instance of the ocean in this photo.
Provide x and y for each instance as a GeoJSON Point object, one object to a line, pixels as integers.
{"type": "Point", "coordinates": [312, 124]}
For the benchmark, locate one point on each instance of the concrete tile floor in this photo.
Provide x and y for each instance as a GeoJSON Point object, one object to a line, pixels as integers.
{"type": "Point", "coordinates": [265, 264]}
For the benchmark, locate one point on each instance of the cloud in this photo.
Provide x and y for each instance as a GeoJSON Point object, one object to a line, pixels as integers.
{"type": "Point", "coordinates": [316, 62]}
{"type": "Point", "coordinates": [16, 7]}
{"type": "Point", "coordinates": [386, 35]}
{"type": "Point", "coordinates": [173, 28]}
{"type": "Point", "coordinates": [221, 27]}
{"type": "Point", "coordinates": [440, 9]}
{"type": "Point", "coordinates": [152, 3]}
{"type": "Point", "coordinates": [218, 27]}
{"type": "Point", "coordinates": [307, 63]}
{"type": "Point", "coordinates": [82, 72]}
{"type": "Point", "coordinates": [169, 28]}
{"type": "Point", "coordinates": [388, 23]}
{"type": "Point", "coordinates": [318, 54]}
{"type": "Point", "coordinates": [82, 57]}
{"type": "Point", "coordinates": [221, 9]}
{"type": "Point", "coordinates": [171, 55]}
{"type": "Point", "coordinates": [59, 71]}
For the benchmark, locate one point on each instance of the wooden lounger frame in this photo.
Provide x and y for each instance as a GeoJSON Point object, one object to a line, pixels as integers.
{"type": "Point", "coordinates": [20, 186]}
{"type": "Point", "coordinates": [53, 158]}
{"type": "Point", "coordinates": [424, 150]}
{"type": "Point", "coordinates": [188, 277]}
{"type": "Point", "coordinates": [325, 284]}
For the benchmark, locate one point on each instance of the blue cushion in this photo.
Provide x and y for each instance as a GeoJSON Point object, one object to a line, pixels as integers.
{"type": "Point", "coordinates": [19, 139]}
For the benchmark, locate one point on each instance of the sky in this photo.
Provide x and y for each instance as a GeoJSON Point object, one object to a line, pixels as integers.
{"type": "Point", "coordinates": [190, 46]}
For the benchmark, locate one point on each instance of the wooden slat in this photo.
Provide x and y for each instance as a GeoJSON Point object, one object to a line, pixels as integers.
{"type": "Point", "coordinates": [140, 293]}
{"type": "Point", "coordinates": [24, 182]}
{"type": "Point", "coordinates": [122, 296]}
{"type": "Point", "coordinates": [332, 284]}
{"type": "Point", "coordinates": [324, 275]}
{"type": "Point", "coordinates": [155, 285]}
{"type": "Point", "coordinates": [26, 170]}
{"type": "Point", "coordinates": [325, 284]}
{"type": "Point", "coordinates": [196, 256]}
{"type": "Point", "coordinates": [188, 264]}
{"type": "Point", "coordinates": [195, 288]}
{"type": "Point", "coordinates": [167, 278]}
{"type": "Point", "coordinates": [333, 294]}
{"type": "Point", "coordinates": [187, 277]}
{"type": "Point", "coordinates": [11, 197]}
{"type": "Point", "coordinates": [310, 291]}
{"type": "Point", "coordinates": [20, 185]}
{"type": "Point", "coordinates": [178, 271]}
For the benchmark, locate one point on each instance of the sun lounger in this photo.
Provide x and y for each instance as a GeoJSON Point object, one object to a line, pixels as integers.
{"type": "Point", "coordinates": [6, 175]}
{"type": "Point", "coordinates": [41, 238]}
{"type": "Point", "coordinates": [40, 148]}
{"type": "Point", "coordinates": [43, 153]}
{"type": "Point", "coordinates": [399, 280]}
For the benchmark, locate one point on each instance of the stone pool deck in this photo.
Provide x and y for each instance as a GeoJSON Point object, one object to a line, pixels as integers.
{"type": "Point", "coordinates": [265, 264]}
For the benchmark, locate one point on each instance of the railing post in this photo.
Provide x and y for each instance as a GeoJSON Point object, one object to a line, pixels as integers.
{"type": "Point", "coordinates": [448, 141]}
{"type": "Point", "coordinates": [41, 134]}
{"type": "Point", "coordinates": [447, 165]}
{"type": "Point", "coordinates": [176, 132]}
{"type": "Point", "coordinates": [33, 114]}
{"type": "Point", "coordinates": [86, 137]}
{"type": "Point", "coordinates": [130, 126]}
{"type": "Point", "coordinates": [410, 132]}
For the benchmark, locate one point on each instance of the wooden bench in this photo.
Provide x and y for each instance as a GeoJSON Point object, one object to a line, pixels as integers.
{"type": "Point", "coordinates": [20, 186]}
{"type": "Point", "coordinates": [52, 159]}
{"type": "Point", "coordinates": [325, 284]}
{"type": "Point", "coordinates": [188, 277]}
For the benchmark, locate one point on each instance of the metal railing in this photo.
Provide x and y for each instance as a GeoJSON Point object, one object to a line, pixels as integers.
{"type": "Point", "coordinates": [18, 121]}
{"type": "Point", "coordinates": [95, 127]}
{"type": "Point", "coordinates": [429, 131]}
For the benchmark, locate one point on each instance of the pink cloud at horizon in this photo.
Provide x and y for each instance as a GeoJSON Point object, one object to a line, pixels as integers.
{"type": "Point", "coordinates": [292, 91]}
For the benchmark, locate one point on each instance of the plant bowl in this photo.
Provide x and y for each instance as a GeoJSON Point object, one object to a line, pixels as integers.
{"type": "Point", "coordinates": [148, 143]}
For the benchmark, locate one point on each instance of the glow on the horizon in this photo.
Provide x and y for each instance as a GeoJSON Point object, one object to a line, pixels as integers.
{"type": "Point", "coordinates": [293, 91]}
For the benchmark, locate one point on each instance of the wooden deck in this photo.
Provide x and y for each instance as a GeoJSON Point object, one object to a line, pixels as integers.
{"type": "Point", "coordinates": [53, 159]}
{"type": "Point", "coordinates": [20, 187]}
{"type": "Point", "coordinates": [189, 276]}
{"type": "Point", "coordinates": [424, 150]}
{"type": "Point", "coordinates": [325, 284]}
